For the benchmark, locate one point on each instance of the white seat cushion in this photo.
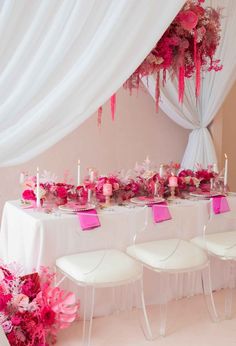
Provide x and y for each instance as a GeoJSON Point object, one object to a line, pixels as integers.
{"type": "Point", "coordinates": [169, 254]}
{"type": "Point", "coordinates": [100, 268]}
{"type": "Point", "coordinates": [222, 244]}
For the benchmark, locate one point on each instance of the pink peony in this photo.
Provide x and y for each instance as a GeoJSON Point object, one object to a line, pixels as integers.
{"type": "Point", "coordinates": [29, 195]}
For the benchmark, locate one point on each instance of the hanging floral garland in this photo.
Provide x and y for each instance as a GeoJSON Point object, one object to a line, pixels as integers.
{"type": "Point", "coordinates": [187, 47]}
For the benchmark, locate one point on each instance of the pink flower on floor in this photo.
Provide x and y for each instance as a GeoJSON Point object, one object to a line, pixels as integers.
{"type": "Point", "coordinates": [48, 316]}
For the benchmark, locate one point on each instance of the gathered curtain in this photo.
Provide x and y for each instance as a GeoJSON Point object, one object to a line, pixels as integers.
{"type": "Point", "coordinates": [61, 59]}
{"type": "Point", "coordinates": [197, 115]}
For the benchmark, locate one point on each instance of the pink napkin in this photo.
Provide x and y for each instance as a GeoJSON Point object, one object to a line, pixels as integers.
{"type": "Point", "coordinates": [220, 205]}
{"type": "Point", "coordinates": [88, 219]}
{"type": "Point", "coordinates": [160, 213]}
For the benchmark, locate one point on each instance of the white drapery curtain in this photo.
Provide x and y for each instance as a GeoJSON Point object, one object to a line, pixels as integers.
{"type": "Point", "coordinates": [61, 59]}
{"type": "Point", "coordinates": [215, 86]}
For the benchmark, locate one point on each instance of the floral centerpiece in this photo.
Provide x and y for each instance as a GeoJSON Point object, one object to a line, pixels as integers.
{"type": "Point", "coordinates": [32, 311]}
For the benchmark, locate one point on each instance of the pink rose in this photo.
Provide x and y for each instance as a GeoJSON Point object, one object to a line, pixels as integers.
{"type": "Point", "coordinates": [61, 192]}
{"type": "Point", "coordinates": [29, 195]}
{"type": "Point", "coordinates": [4, 299]}
{"type": "Point", "coordinates": [16, 320]}
{"type": "Point", "coordinates": [7, 326]}
{"type": "Point", "coordinates": [188, 19]}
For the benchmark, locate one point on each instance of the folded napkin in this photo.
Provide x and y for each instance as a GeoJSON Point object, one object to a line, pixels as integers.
{"type": "Point", "coordinates": [160, 212]}
{"type": "Point", "coordinates": [88, 219]}
{"type": "Point", "coordinates": [220, 204]}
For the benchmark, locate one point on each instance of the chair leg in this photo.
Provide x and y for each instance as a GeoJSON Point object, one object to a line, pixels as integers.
{"type": "Point", "coordinates": [208, 294]}
{"type": "Point", "coordinates": [89, 295]}
{"type": "Point", "coordinates": [143, 317]}
{"type": "Point", "coordinates": [229, 291]}
{"type": "Point", "coordinates": [163, 285]}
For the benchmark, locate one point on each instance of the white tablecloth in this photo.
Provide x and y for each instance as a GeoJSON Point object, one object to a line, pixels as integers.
{"type": "Point", "coordinates": [34, 238]}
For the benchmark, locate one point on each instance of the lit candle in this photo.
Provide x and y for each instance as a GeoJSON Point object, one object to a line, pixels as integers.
{"type": "Point", "coordinates": [89, 195]}
{"type": "Point", "coordinates": [226, 171]}
{"type": "Point", "coordinates": [37, 189]}
{"type": "Point", "coordinates": [107, 189]}
{"type": "Point", "coordinates": [161, 171]}
{"type": "Point", "coordinates": [173, 181]}
{"type": "Point", "coordinates": [78, 173]}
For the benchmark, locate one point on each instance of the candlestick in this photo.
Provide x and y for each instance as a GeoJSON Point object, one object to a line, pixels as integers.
{"type": "Point", "coordinates": [226, 171]}
{"type": "Point", "coordinates": [37, 189]}
{"type": "Point", "coordinates": [161, 171]}
{"type": "Point", "coordinates": [78, 173]}
{"type": "Point", "coordinates": [156, 187]}
{"type": "Point", "coordinates": [172, 192]}
{"type": "Point", "coordinates": [107, 192]}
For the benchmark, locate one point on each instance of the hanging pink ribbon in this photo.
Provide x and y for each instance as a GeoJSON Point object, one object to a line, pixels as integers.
{"type": "Point", "coordinates": [181, 84]}
{"type": "Point", "coordinates": [198, 75]}
{"type": "Point", "coordinates": [157, 90]}
{"type": "Point", "coordinates": [99, 116]}
{"type": "Point", "coordinates": [113, 106]}
{"type": "Point", "coordinates": [197, 62]}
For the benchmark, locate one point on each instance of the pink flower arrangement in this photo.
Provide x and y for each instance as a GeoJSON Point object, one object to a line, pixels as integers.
{"type": "Point", "coordinates": [32, 311]}
{"type": "Point", "coordinates": [187, 47]}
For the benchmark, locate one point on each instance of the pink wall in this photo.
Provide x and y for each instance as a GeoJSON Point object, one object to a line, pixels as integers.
{"type": "Point", "coordinates": [137, 132]}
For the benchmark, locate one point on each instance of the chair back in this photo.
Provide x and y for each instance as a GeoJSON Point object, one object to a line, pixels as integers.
{"type": "Point", "coordinates": [3, 339]}
{"type": "Point", "coordinates": [174, 223]}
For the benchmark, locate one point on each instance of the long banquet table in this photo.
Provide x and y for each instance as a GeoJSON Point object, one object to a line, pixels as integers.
{"type": "Point", "coordinates": [33, 238]}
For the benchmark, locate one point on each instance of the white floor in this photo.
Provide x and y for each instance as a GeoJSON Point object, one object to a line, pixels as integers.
{"type": "Point", "coordinates": [188, 325]}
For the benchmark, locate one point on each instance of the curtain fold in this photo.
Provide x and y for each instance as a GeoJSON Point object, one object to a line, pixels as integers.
{"type": "Point", "coordinates": [197, 116]}
{"type": "Point", "coordinates": [61, 59]}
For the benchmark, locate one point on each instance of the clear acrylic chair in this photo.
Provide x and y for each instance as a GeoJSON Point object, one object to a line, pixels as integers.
{"type": "Point", "coordinates": [3, 339]}
{"type": "Point", "coordinates": [166, 249]}
{"type": "Point", "coordinates": [220, 242]}
{"type": "Point", "coordinates": [108, 267]}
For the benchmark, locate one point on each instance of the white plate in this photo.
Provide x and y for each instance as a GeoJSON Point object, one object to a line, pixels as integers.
{"type": "Point", "coordinates": [143, 200]}
{"type": "Point", "coordinates": [75, 208]}
{"type": "Point", "coordinates": [204, 195]}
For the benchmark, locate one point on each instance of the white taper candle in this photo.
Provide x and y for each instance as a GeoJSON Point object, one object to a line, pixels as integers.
{"type": "Point", "coordinates": [37, 189]}
{"type": "Point", "coordinates": [78, 173]}
{"type": "Point", "coordinates": [226, 171]}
